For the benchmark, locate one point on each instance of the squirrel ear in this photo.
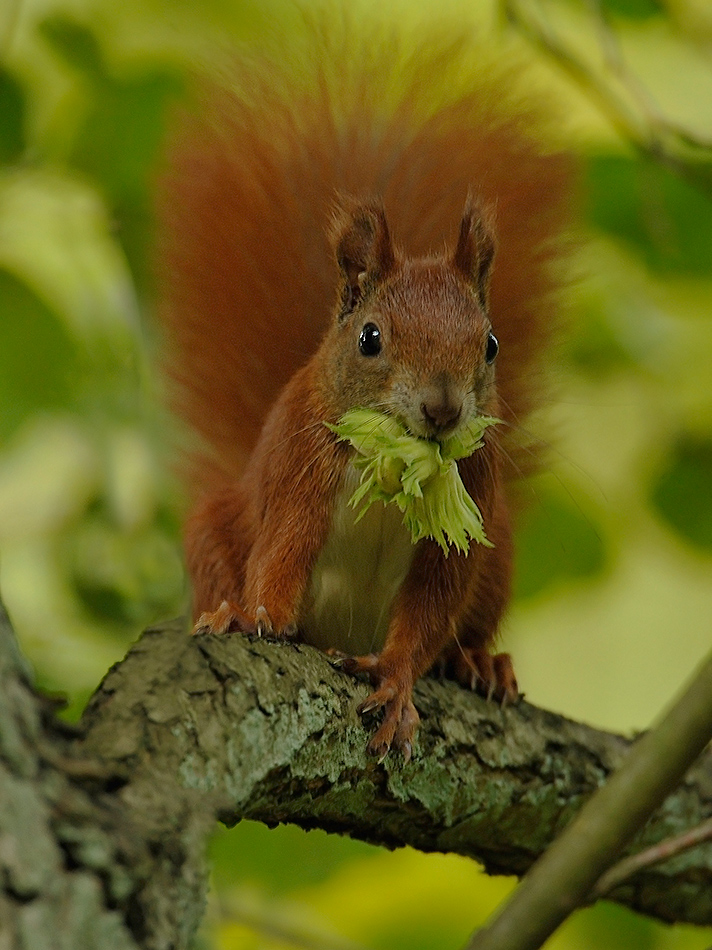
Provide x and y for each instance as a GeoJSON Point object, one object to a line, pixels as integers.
{"type": "Point", "coordinates": [475, 250]}
{"type": "Point", "coordinates": [363, 246]}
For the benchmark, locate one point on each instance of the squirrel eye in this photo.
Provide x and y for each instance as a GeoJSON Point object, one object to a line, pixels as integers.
{"type": "Point", "coordinates": [492, 349]}
{"type": "Point", "coordinates": [369, 342]}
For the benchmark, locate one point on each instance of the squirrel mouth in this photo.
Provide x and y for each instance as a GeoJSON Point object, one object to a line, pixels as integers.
{"type": "Point", "coordinates": [418, 475]}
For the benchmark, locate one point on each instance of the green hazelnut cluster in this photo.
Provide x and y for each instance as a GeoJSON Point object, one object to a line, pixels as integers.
{"type": "Point", "coordinates": [419, 475]}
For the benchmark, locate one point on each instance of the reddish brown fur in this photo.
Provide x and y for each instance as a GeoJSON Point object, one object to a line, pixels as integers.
{"type": "Point", "coordinates": [245, 207]}
{"type": "Point", "coordinates": [253, 286]}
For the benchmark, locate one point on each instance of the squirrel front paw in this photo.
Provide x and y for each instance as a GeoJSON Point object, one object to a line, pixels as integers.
{"type": "Point", "coordinates": [270, 631]}
{"type": "Point", "coordinates": [229, 617]}
{"type": "Point", "coordinates": [394, 696]}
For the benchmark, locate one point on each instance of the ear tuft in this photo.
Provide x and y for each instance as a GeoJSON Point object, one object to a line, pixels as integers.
{"type": "Point", "coordinates": [475, 249]}
{"type": "Point", "coordinates": [363, 246]}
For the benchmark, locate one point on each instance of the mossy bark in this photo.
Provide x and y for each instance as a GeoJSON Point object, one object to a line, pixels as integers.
{"type": "Point", "coordinates": [102, 834]}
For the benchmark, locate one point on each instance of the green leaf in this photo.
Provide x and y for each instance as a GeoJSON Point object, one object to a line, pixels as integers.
{"type": "Point", "coordinates": [557, 542]}
{"type": "Point", "coordinates": [39, 361]}
{"type": "Point", "coordinates": [75, 44]}
{"type": "Point", "coordinates": [121, 135]}
{"type": "Point", "coordinates": [593, 347]}
{"type": "Point", "coordinates": [663, 218]}
{"type": "Point", "coordinates": [120, 575]}
{"type": "Point", "coordinates": [682, 493]}
{"type": "Point", "coordinates": [698, 171]}
{"type": "Point", "coordinates": [118, 145]}
{"type": "Point", "coordinates": [12, 118]}
{"type": "Point", "coordinates": [634, 9]}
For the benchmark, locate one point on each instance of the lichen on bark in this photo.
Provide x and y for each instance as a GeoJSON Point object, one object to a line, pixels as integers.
{"type": "Point", "coordinates": [189, 730]}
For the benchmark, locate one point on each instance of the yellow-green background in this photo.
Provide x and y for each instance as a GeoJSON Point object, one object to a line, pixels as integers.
{"type": "Point", "coordinates": [615, 580]}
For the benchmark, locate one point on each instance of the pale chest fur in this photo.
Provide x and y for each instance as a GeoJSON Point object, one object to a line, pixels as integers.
{"type": "Point", "coordinates": [356, 577]}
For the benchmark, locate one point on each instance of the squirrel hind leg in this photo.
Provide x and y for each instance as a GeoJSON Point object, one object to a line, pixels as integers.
{"type": "Point", "coordinates": [399, 725]}
{"type": "Point", "coordinates": [490, 675]}
{"type": "Point", "coordinates": [393, 695]}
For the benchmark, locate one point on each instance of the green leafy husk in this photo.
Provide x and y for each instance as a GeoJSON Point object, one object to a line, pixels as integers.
{"type": "Point", "coordinates": [420, 476]}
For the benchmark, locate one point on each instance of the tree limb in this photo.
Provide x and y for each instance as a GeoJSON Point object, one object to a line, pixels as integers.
{"type": "Point", "coordinates": [662, 851]}
{"type": "Point", "coordinates": [50, 896]}
{"type": "Point", "coordinates": [565, 876]}
{"type": "Point", "coordinates": [619, 95]}
{"type": "Point", "coordinates": [189, 729]}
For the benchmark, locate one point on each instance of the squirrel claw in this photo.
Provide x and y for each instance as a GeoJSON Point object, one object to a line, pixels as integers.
{"type": "Point", "coordinates": [263, 623]}
{"type": "Point", "coordinates": [336, 657]}
{"type": "Point", "coordinates": [407, 751]}
{"type": "Point", "coordinates": [230, 617]}
{"type": "Point", "coordinates": [361, 664]}
{"type": "Point", "coordinates": [368, 705]}
{"type": "Point", "coordinates": [379, 747]}
{"type": "Point", "coordinates": [227, 617]}
{"type": "Point", "coordinates": [400, 721]}
{"type": "Point", "coordinates": [382, 757]}
{"type": "Point", "coordinates": [491, 676]}
{"type": "Point", "coordinates": [400, 717]}
{"type": "Point", "coordinates": [506, 689]}
{"type": "Point", "coordinates": [266, 629]}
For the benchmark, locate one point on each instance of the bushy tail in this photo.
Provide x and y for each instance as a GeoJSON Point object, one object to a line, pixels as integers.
{"type": "Point", "coordinates": [248, 280]}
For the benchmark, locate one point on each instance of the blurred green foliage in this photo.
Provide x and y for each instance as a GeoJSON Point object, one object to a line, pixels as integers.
{"type": "Point", "coordinates": [117, 140]}
{"type": "Point", "coordinates": [12, 118]}
{"type": "Point", "coordinates": [558, 541]}
{"type": "Point", "coordinates": [656, 213]}
{"type": "Point", "coordinates": [90, 515]}
{"type": "Point", "coordinates": [634, 9]}
{"type": "Point", "coordinates": [47, 379]}
{"type": "Point", "coordinates": [681, 492]}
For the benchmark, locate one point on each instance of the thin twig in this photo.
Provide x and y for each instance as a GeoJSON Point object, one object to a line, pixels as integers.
{"type": "Point", "coordinates": [616, 64]}
{"type": "Point", "coordinates": [644, 126]}
{"type": "Point", "coordinates": [665, 849]}
{"type": "Point", "coordinates": [649, 108]}
{"type": "Point", "coordinates": [276, 924]}
{"type": "Point", "coordinates": [540, 33]}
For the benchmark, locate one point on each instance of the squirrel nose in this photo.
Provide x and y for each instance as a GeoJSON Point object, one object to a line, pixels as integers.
{"type": "Point", "coordinates": [441, 416]}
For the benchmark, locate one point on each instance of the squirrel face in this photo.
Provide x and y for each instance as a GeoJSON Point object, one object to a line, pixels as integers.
{"type": "Point", "coordinates": [412, 337]}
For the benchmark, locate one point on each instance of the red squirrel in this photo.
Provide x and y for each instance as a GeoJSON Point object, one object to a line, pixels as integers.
{"type": "Point", "coordinates": [337, 241]}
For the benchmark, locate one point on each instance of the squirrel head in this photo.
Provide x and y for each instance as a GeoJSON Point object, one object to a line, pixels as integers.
{"type": "Point", "coordinates": [412, 336]}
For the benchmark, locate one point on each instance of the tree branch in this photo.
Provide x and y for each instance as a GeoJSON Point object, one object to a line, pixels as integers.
{"type": "Point", "coordinates": [619, 95]}
{"type": "Point", "coordinates": [50, 894]}
{"type": "Point", "coordinates": [269, 732]}
{"type": "Point", "coordinates": [666, 849]}
{"type": "Point", "coordinates": [565, 876]}
{"type": "Point", "coordinates": [187, 729]}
